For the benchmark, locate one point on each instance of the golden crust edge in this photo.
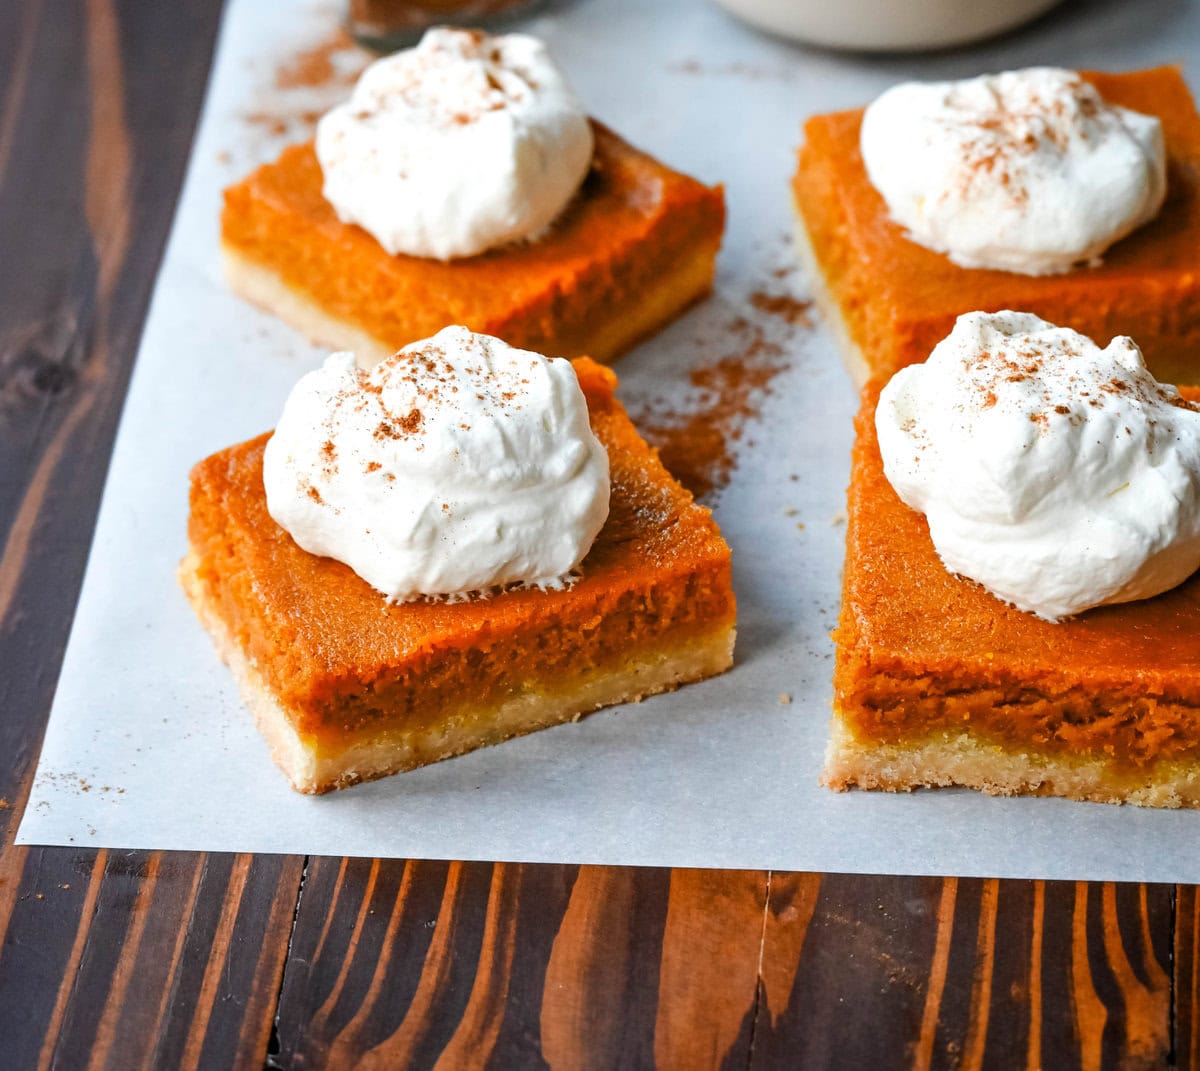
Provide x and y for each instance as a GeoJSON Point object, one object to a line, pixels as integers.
{"type": "Point", "coordinates": [664, 670]}
{"type": "Point", "coordinates": [263, 288]}
{"type": "Point", "coordinates": [670, 297]}
{"type": "Point", "coordinates": [963, 759]}
{"type": "Point", "coordinates": [849, 351]}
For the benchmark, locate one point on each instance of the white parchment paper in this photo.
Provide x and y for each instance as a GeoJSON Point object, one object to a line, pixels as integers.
{"type": "Point", "coordinates": [147, 744]}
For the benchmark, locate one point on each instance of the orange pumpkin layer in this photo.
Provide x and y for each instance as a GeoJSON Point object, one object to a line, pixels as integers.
{"type": "Point", "coordinates": [898, 299]}
{"type": "Point", "coordinates": [343, 663]}
{"type": "Point", "coordinates": [921, 651]}
{"type": "Point", "coordinates": [632, 225]}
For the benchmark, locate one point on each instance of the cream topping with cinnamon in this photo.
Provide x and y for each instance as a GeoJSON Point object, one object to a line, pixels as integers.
{"type": "Point", "coordinates": [461, 144]}
{"type": "Point", "coordinates": [458, 465]}
{"type": "Point", "coordinates": [1028, 171]}
{"type": "Point", "coordinates": [1057, 474]}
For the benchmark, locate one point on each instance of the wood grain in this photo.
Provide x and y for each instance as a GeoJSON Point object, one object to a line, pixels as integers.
{"type": "Point", "coordinates": [103, 954]}
{"type": "Point", "coordinates": [1186, 987]}
{"type": "Point", "coordinates": [119, 959]}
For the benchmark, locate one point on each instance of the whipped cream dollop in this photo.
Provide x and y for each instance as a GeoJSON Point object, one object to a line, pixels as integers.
{"type": "Point", "coordinates": [1057, 474]}
{"type": "Point", "coordinates": [458, 465]}
{"type": "Point", "coordinates": [456, 146]}
{"type": "Point", "coordinates": [1026, 171]}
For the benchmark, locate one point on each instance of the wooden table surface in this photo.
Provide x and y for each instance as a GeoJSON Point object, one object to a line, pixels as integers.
{"type": "Point", "coordinates": [162, 959]}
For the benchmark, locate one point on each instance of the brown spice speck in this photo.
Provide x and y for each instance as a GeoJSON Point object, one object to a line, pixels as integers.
{"type": "Point", "coordinates": [275, 125]}
{"type": "Point", "coordinates": [790, 309]}
{"type": "Point", "coordinates": [314, 66]}
{"type": "Point", "coordinates": [697, 440]}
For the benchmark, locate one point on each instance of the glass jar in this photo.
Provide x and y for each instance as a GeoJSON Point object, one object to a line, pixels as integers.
{"type": "Point", "coordinates": [386, 25]}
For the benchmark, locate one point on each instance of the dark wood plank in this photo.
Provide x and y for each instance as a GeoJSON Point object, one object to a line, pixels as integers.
{"type": "Point", "coordinates": [470, 964]}
{"type": "Point", "coordinates": [92, 152]}
{"type": "Point", "coordinates": [1186, 978]}
{"type": "Point", "coordinates": [714, 918]}
{"type": "Point", "coordinates": [120, 958]}
{"type": "Point", "coordinates": [145, 959]}
{"type": "Point", "coordinates": [956, 973]}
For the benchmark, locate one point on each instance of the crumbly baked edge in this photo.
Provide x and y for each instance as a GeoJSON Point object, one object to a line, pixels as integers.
{"type": "Point", "coordinates": [962, 758]}
{"type": "Point", "coordinates": [660, 670]}
{"type": "Point", "coordinates": [658, 305]}
{"type": "Point", "coordinates": [850, 351]}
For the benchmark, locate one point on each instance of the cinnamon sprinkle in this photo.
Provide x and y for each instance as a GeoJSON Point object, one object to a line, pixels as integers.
{"type": "Point", "coordinates": [698, 440]}
{"type": "Point", "coordinates": [792, 310]}
{"type": "Point", "coordinates": [411, 423]}
{"type": "Point", "coordinates": [278, 123]}
{"type": "Point", "coordinates": [314, 66]}
{"type": "Point", "coordinates": [306, 84]}
{"type": "Point", "coordinates": [275, 125]}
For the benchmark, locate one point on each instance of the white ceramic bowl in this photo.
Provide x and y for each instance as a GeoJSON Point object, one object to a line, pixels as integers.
{"type": "Point", "coordinates": [887, 25]}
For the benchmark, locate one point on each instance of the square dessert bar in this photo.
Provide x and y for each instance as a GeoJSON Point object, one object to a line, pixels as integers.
{"type": "Point", "coordinates": [937, 682]}
{"type": "Point", "coordinates": [891, 301]}
{"type": "Point", "coordinates": [634, 248]}
{"type": "Point", "coordinates": [347, 687]}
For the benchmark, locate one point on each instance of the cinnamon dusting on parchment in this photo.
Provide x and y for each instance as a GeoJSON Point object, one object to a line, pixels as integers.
{"type": "Point", "coordinates": [306, 84]}
{"type": "Point", "coordinates": [698, 439]}
{"type": "Point", "coordinates": [314, 66]}
{"type": "Point", "coordinates": [791, 309]}
{"type": "Point", "coordinates": [276, 124]}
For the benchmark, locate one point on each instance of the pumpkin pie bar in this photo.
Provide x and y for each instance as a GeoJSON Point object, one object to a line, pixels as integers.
{"type": "Point", "coordinates": [635, 247]}
{"type": "Point", "coordinates": [937, 682]}
{"type": "Point", "coordinates": [347, 687]}
{"type": "Point", "coordinates": [890, 300]}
